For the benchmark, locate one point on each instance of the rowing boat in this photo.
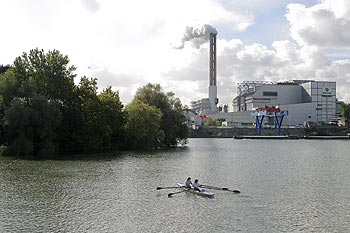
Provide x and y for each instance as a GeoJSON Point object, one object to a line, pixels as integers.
{"type": "Point", "coordinates": [203, 192]}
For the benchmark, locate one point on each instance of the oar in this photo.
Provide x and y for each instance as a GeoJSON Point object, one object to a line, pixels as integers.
{"type": "Point", "coordinates": [170, 194]}
{"type": "Point", "coordinates": [219, 188]}
{"type": "Point", "coordinates": [159, 188]}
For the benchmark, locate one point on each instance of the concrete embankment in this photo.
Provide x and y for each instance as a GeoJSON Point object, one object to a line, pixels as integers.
{"type": "Point", "coordinates": [318, 132]}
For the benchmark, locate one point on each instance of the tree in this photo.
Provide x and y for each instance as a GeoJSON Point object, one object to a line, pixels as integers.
{"type": "Point", "coordinates": [345, 112]}
{"type": "Point", "coordinates": [112, 116]}
{"type": "Point", "coordinates": [32, 127]}
{"type": "Point", "coordinates": [42, 111]}
{"type": "Point", "coordinates": [50, 72]}
{"type": "Point", "coordinates": [212, 122]}
{"type": "Point", "coordinates": [101, 117]}
{"type": "Point", "coordinates": [3, 68]}
{"type": "Point", "coordinates": [39, 91]}
{"type": "Point", "coordinates": [173, 121]}
{"type": "Point", "coordinates": [7, 87]}
{"type": "Point", "coordinates": [143, 125]}
{"type": "Point", "coordinates": [41, 87]}
{"type": "Point", "coordinates": [86, 135]}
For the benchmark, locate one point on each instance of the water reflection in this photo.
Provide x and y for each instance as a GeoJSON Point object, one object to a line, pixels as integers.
{"type": "Point", "coordinates": [286, 186]}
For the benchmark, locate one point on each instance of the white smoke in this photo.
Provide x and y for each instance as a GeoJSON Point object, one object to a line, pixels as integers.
{"type": "Point", "coordinates": [197, 36]}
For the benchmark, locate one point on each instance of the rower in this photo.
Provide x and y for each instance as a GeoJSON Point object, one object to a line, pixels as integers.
{"type": "Point", "coordinates": [196, 185]}
{"type": "Point", "coordinates": [188, 183]}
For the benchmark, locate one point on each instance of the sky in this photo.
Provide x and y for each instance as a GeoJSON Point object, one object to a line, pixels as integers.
{"type": "Point", "coordinates": [127, 44]}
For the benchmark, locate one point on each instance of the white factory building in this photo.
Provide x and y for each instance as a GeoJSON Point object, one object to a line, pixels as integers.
{"type": "Point", "coordinates": [305, 101]}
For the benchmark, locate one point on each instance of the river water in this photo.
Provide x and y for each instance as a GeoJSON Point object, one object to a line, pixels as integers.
{"type": "Point", "coordinates": [286, 186]}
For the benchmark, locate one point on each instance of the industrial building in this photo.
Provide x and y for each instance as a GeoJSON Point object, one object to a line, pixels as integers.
{"type": "Point", "coordinates": [302, 100]}
{"type": "Point", "coordinates": [305, 100]}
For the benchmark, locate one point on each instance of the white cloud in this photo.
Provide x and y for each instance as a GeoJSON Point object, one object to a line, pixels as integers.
{"type": "Point", "coordinates": [286, 51]}
{"type": "Point", "coordinates": [91, 5]}
{"type": "Point", "coordinates": [324, 25]}
{"type": "Point", "coordinates": [256, 62]}
{"type": "Point", "coordinates": [127, 44]}
{"type": "Point", "coordinates": [132, 37]}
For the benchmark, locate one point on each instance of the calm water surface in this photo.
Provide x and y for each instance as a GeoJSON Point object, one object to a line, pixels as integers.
{"type": "Point", "coordinates": [286, 186]}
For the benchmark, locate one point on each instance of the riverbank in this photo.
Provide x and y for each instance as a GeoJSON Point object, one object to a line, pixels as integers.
{"type": "Point", "coordinates": [5, 158]}
{"type": "Point", "coordinates": [307, 133]}
{"type": "Point", "coordinates": [292, 137]}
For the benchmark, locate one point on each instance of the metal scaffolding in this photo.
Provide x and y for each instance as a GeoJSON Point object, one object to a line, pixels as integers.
{"type": "Point", "coordinates": [274, 112]}
{"type": "Point", "coordinates": [247, 87]}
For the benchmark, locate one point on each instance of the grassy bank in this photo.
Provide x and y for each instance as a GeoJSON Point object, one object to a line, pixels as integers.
{"type": "Point", "coordinates": [5, 157]}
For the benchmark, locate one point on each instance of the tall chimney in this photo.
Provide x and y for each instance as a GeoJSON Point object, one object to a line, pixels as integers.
{"type": "Point", "coordinates": [212, 73]}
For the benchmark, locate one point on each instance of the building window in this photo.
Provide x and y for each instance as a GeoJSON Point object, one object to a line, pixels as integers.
{"type": "Point", "coordinates": [269, 93]}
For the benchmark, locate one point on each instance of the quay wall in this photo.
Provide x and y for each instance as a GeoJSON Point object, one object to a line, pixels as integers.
{"type": "Point", "coordinates": [227, 132]}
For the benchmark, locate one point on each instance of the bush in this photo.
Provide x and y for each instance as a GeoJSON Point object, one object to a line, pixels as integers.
{"type": "Point", "coordinates": [2, 149]}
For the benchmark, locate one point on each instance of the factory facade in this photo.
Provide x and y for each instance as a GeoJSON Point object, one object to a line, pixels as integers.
{"type": "Point", "coordinates": [305, 100]}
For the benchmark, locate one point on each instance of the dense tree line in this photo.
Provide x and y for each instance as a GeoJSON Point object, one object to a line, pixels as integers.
{"type": "Point", "coordinates": [345, 112]}
{"type": "Point", "coordinates": [43, 113]}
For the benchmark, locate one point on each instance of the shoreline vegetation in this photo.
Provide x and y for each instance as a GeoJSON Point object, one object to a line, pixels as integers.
{"type": "Point", "coordinates": [44, 114]}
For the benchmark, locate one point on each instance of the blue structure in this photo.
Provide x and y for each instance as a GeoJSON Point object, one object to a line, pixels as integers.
{"type": "Point", "coordinates": [274, 112]}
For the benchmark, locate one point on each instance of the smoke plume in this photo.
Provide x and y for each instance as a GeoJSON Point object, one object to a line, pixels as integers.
{"type": "Point", "coordinates": [197, 36]}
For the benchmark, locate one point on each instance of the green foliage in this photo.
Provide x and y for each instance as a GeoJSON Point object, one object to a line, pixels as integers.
{"type": "Point", "coordinates": [45, 118]}
{"type": "Point", "coordinates": [143, 125]}
{"type": "Point", "coordinates": [50, 72]}
{"type": "Point", "coordinates": [101, 118]}
{"type": "Point", "coordinates": [173, 122]}
{"type": "Point", "coordinates": [32, 127]}
{"type": "Point", "coordinates": [112, 118]}
{"type": "Point", "coordinates": [9, 88]}
{"type": "Point", "coordinates": [17, 117]}
{"type": "Point", "coordinates": [2, 149]}
{"type": "Point", "coordinates": [345, 111]}
{"type": "Point", "coordinates": [32, 94]}
{"type": "Point", "coordinates": [212, 122]}
{"type": "Point", "coordinates": [3, 68]}
{"type": "Point", "coordinates": [87, 121]}
{"type": "Point", "coordinates": [88, 134]}
{"type": "Point", "coordinates": [43, 113]}
{"type": "Point", "coordinates": [6, 83]}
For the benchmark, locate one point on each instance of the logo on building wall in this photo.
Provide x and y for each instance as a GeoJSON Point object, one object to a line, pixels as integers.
{"type": "Point", "coordinates": [326, 91]}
